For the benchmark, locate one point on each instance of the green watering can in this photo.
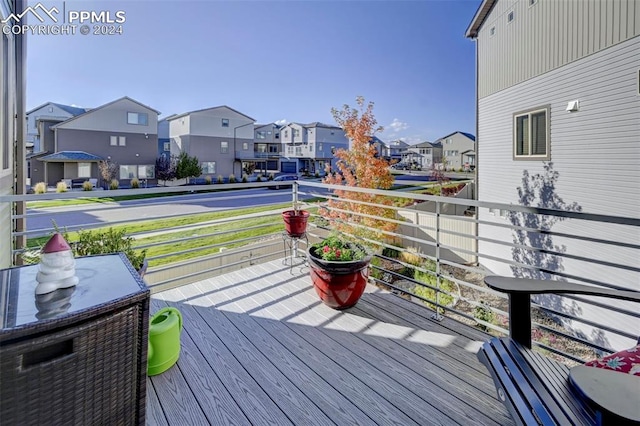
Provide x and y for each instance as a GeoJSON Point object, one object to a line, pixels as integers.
{"type": "Point", "coordinates": [164, 340]}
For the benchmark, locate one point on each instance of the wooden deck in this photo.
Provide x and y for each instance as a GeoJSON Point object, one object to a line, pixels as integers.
{"type": "Point", "coordinates": [258, 347]}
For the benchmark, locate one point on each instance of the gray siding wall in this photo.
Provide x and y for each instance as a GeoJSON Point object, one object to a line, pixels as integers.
{"type": "Point", "coordinates": [596, 152]}
{"type": "Point", "coordinates": [209, 123]}
{"type": "Point", "coordinates": [113, 118]}
{"type": "Point", "coordinates": [548, 35]}
{"type": "Point", "coordinates": [98, 143]}
{"type": "Point", "coordinates": [460, 143]}
{"type": "Point", "coordinates": [32, 128]}
{"type": "Point", "coordinates": [208, 149]}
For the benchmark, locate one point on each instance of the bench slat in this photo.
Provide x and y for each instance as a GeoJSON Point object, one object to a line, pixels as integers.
{"type": "Point", "coordinates": [505, 387]}
{"type": "Point", "coordinates": [537, 389]}
{"type": "Point", "coordinates": [556, 376]}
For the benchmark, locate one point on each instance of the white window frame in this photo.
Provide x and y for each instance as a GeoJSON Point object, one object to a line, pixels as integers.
{"type": "Point", "coordinates": [529, 113]}
{"type": "Point", "coordinates": [147, 171]}
{"type": "Point", "coordinates": [225, 122]}
{"type": "Point", "coordinates": [84, 170]}
{"type": "Point", "coordinates": [122, 141]}
{"type": "Point", "coordinates": [129, 169]}
{"type": "Point", "coordinates": [113, 140]}
{"type": "Point", "coordinates": [166, 146]}
{"type": "Point", "coordinates": [207, 166]}
{"type": "Point", "coordinates": [224, 147]}
{"type": "Point", "coordinates": [245, 146]}
{"type": "Point", "coordinates": [134, 118]}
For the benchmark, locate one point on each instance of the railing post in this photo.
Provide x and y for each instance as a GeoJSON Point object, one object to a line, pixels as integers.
{"type": "Point", "coordinates": [436, 316]}
{"type": "Point", "coordinates": [520, 318]}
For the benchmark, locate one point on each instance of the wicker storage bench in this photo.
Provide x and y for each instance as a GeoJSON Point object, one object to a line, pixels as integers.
{"type": "Point", "coordinates": [78, 355]}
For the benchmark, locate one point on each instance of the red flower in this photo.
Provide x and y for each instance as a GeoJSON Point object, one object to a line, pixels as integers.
{"type": "Point", "coordinates": [326, 249]}
{"type": "Point", "coordinates": [337, 252]}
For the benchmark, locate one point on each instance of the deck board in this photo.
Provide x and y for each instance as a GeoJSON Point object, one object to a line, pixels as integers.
{"type": "Point", "coordinates": [259, 348]}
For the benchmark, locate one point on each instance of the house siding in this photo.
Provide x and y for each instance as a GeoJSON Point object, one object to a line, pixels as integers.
{"type": "Point", "coordinates": [32, 128]}
{"type": "Point", "coordinates": [546, 36]}
{"type": "Point", "coordinates": [596, 152]}
{"type": "Point", "coordinates": [113, 118]}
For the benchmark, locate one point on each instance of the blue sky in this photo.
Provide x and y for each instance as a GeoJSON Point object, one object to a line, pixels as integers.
{"type": "Point", "coordinates": [285, 60]}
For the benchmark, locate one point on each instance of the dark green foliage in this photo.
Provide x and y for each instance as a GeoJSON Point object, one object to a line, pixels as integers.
{"type": "Point", "coordinates": [484, 313]}
{"type": "Point", "coordinates": [187, 166]}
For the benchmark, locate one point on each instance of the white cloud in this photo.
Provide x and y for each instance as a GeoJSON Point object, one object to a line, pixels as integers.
{"type": "Point", "coordinates": [281, 122]}
{"type": "Point", "coordinates": [397, 126]}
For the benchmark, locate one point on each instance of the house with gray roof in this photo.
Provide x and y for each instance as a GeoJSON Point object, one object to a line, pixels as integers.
{"type": "Point", "coordinates": [423, 155]}
{"type": "Point", "coordinates": [51, 111]}
{"type": "Point", "coordinates": [217, 136]}
{"type": "Point", "coordinates": [310, 147]}
{"type": "Point", "coordinates": [123, 131]}
{"type": "Point", "coordinates": [458, 150]}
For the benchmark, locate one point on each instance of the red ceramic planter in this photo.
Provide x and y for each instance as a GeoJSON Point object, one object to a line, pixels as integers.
{"type": "Point", "coordinates": [338, 284]}
{"type": "Point", "coordinates": [295, 222]}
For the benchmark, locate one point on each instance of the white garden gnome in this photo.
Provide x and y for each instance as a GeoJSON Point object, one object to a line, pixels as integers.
{"type": "Point", "coordinates": [57, 266]}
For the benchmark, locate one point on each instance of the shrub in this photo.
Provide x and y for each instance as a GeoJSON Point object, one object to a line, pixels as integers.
{"type": "Point", "coordinates": [411, 256]}
{"type": "Point", "coordinates": [259, 178]}
{"type": "Point", "coordinates": [483, 312]}
{"type": "Point", "coordinates": [317, 174]}
{"type": "Point", "coordinates": [40, 188]}
{"type": "Point", "coordinates": [61, 187]}
{"type": "Point", "coordinates": [135, 183]}
{"type": "Point", "coordinates": [220, 179]}
{"type": "Point", "coordinates": [86, 186]}
{"type": "Point", "coordinates": [207, 180]}
{"type": "Point", "coordinates": [109, 241]}
{"type": "Point", "coordinates": [245, 178]}
{"type": "Point", "coordinates": [114, 184]}
{"type": "Point", "coordinates": [429, 293]}
{"type": "Point", "coordinates": [271, 176]}
{"type": "Point", "coordinates": [390, 252]}
{"type": "Point", "coordinates": [232, 178]}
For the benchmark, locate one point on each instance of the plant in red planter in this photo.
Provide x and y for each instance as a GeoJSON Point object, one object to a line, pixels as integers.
{"type": "Point", "coordinates": [339, 271]}
{"type": "Point", "coordinates": [295, 222]}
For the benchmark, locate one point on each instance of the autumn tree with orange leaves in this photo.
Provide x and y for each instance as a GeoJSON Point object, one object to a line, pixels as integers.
{"type": "Point", "coordinates": [359, 167]}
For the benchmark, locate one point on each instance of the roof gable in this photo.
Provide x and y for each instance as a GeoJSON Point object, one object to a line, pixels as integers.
{"type": "Point", "coordinates": [101, 107]}
{"type": "Point", "coordinates": [176, 116]}
{"type": "Point", "coordinates": [479, 18]}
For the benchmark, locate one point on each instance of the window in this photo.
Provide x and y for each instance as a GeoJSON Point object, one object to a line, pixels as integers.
{"type": "Point", "coordinates": [261, 135]}
{"type": "Point", "coordinates": [319, 147]}
{"type": "Point", "coordinates": [139, 118]}
{"type": "Point", "coordinates": [209, 167]}
{"type": "Point", "coordinates": [225, 122]}
{"type": "Point", "coordinates": [277, 135]}
{"type": "Point", "coordinates": [286, 133]}
{"type": "Point", "coordinates": [245, 146]}
{"type": "Point", "coordinates": [296, 133]}
{"type": "Point", "coordinates": [492, 31]}
{"type": "Point", "coordinates": [298, 150]}
{"type": "Point", "coordinates": [531, 134]}
{"type": "Point", "coordinates": [84, 170]}
{"type": "Point", "coordinates": [274, 148]}
{"type": "Point", "coordinates": [166, 146]}
{"type": "Point", "coordinates": [510, 17]}
{"type": "Point", "coordinates": [113, 141]}
{"type": "Point", "coordinates": [311, 147]}
{"type": "Point", "coordinates": [147, 171]}
{"type": "Point", "coordinates": [289, 150]}
{"type": "Point", "coordinates": [224, 147]}
{"type": "Point", "coordinates": [333, 149]}
{"type": "Point", "coordinates": [532, 2]}
{"type": "Point", "coordinates": [50, 109]}
{"type": "Point", "coordinates": [261, 147]}
{"type": "Point", "coordinates": [128, 172]}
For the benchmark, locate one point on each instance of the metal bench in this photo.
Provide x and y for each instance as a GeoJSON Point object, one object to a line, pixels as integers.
{"type": "Point", "coordinates": [536, 389]}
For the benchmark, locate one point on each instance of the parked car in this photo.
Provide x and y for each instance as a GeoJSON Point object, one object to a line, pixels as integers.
{"type": "Point", "coordinates": [283, 178]}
